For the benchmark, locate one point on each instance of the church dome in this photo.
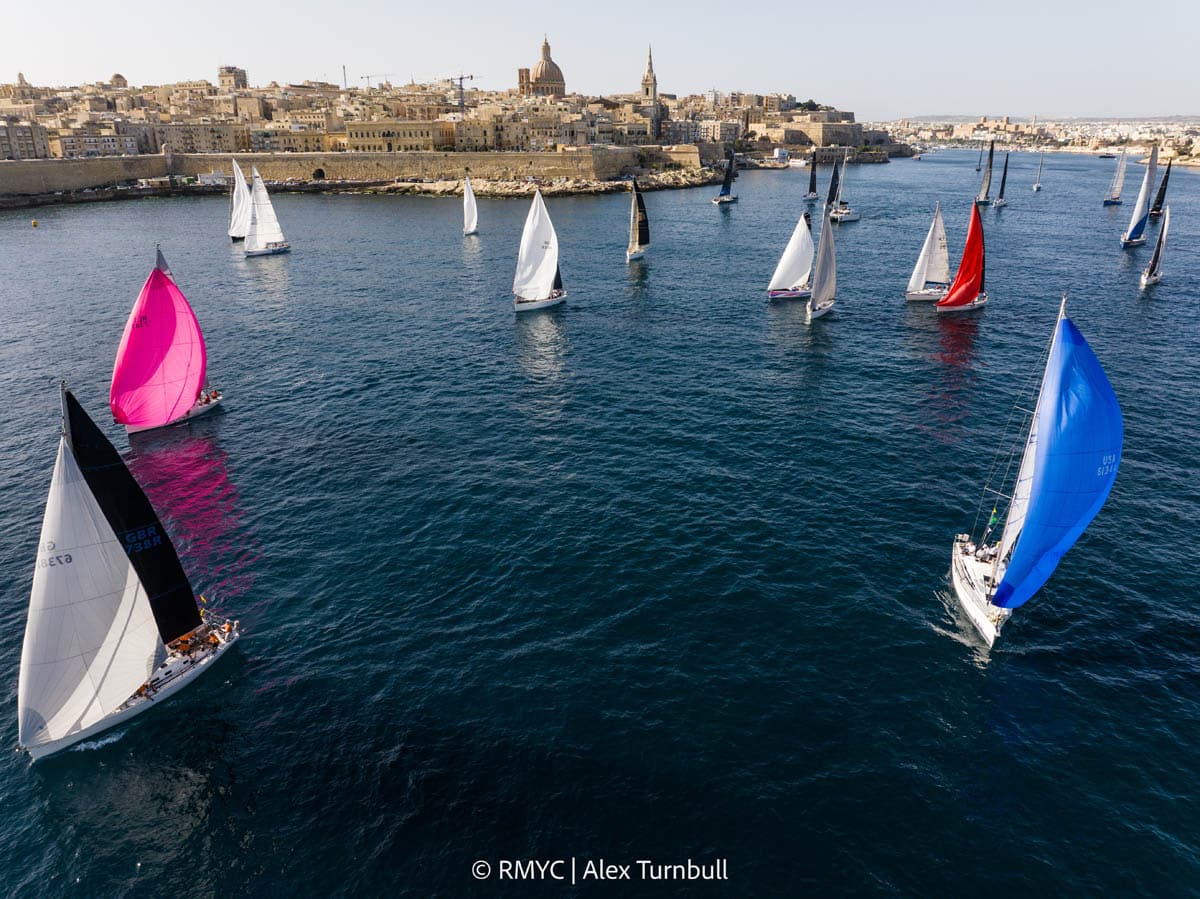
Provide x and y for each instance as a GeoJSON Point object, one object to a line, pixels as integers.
{"type": "Point", "coordinates": [546, 72]}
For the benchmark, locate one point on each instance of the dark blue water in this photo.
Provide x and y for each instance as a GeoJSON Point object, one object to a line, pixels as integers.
{"type": "Point", "coordinates": [660, 575]}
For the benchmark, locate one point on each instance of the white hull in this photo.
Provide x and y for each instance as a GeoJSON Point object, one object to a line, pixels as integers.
{"type": "Point", "coordinates": [1147, 281]}
{"type": "Point", "coordinates": [926, 294]}
{"type": "Point", "coordinates": [721, 201]}
{"type": "Point", "coordinates": [799, 293]}
{"type": "Point", "coordinates": [814, 314]}
{"type": "Point", "coordinates": [520, 305]}
{"type": "Point", "coordinates": [980, 300]}
{"type": "Point", "coordinates": [631, 255]}
{"type": "Point", "coordinates": [195, 412]}
{"type": "Point", "coordinates": [1036, 188]}
{"type": "Point", "coordinates": [999, 204]}
{"type": "Point", "coordinates": [844, 215]}
{"type": "Point", "coordinates": [1126, 243]}
{"type": "Point", "coordinates": [812, 196]}
{"type": "Point", "coordinates": [971, 588]}
{"type": "Point", "coordinates": [268, 251]}
{"type": "Point", "coordinates": [173, 675]}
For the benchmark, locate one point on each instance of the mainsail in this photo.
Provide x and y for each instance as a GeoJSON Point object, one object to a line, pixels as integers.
{"type": "Point", "coordinates": [1141, 209]}
{"type": "Point", "coordinates": [1003, 178]}
{"type": "Point", "coordinates": [1160, 198]}
{"type": "Point", "coordinates": [1154, 268]}
{"type": "Point", "coordinates": [933, 265]}
{"type": "Point", "coordinates": [968, 281]}
{"type": "Point", "coordinates": [161, 360]}
{"type": "Point", "coordinates": [537, 261]}
{"type": "Point", "coordinates": [727, 183]}
{"type": "Point", "coordinates": [1069, 464]}
{"type": "Point", "coordinates": [1118, 181]}
{"type": "Point", "coordinates": [987, 175]}
{"type": "Point", "coordinates": [264, 230]}
{"type": "Point", "coordinates": [239, 204]}
{"type": "Point", "coordinates": [824, 278]}
{"type": "Point", "coordinates": [812, 175]}
{"type": "Point", "coordinates": [639, 223]}
{"type": "Point", "coordinates": [796, 264]}
{"type": "Point", "coordinates": [834, 188]}
{"type": "Point", "coordinates": [470, 209]}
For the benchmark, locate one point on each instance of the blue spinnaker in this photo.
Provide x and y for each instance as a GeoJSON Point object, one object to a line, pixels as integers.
{"type": "Point", "coordinates": [1075, 463]}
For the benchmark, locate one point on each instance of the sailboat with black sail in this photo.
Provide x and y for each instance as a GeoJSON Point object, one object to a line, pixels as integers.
{"type": "Point", "coordinates": [1153, 271]}
{"type": "Point", "coordinates": [1072, 452]}
{"type": "Point", "coordinates": [812, 179]}
{"type": "Point", "coordinates": [986, 186]}
{"type": "Point", "coordinates": [841, 211]}
{"type": "Point", "coordinates": [1157, 209]}
{"type": "Point", "coordinates": [113, 626]}
{"type": "Point", "coordinates": [930, 277]}
{"type": "Point", "coordinates": [1135, 236]}
{"type": "Point", "coordinates": [639, 225]}
{"type": "Point", "coordinates": [1000, 201]}
{"type": "Point", "coordinates": [726, 194]}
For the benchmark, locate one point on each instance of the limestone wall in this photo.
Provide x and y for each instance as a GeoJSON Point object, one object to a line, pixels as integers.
{"type": "Point", "coordinates": [44, 176]}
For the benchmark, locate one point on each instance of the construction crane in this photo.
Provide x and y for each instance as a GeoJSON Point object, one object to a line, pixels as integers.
{"type": "Point", "coordinates": [367, 78]}
{"type": "Point", "coordinates": [459, 79]}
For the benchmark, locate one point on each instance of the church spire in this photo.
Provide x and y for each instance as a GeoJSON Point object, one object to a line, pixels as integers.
{"type": "Point", "coordinates": [649, 61]}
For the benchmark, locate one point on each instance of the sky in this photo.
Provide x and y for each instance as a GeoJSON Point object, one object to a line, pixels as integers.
{"type": "Point", "coordinates": [882, 60]}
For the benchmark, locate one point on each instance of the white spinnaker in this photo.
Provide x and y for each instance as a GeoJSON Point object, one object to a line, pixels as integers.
{"type": "Point", "coordinates": [470, 209]}
{"type": "Point", "coordinates": [264, 226]}
{"type": "Point", "coordinates": [796, 263]}
{"type": "Point", "coordinates": [934, 262]}
{"type": "Point", "coordinates": [240, 204]}
{"type": "Point", "coordinates": [824, 287]}
{"type": "Point", "coordinates": [537, 260]}
{"type": "Point", "coordinates": [91, 639]}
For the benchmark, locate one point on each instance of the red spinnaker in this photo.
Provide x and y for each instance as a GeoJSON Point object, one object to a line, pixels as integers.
{"type": "Point", "coordinates": [968, 281]}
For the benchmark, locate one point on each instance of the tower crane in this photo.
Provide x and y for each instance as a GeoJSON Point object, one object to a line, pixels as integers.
{"type": "Point", "coordinates": [459, 79]}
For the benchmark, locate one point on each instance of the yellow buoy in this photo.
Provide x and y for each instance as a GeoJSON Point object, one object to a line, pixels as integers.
{"type": "Point", "coordinates": [34, 223]}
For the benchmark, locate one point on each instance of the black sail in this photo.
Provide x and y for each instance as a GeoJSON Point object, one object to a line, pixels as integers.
{"type": "Point", "coordinates": [135, 523]}
{"type": "Point", "coordinates": [812, 174]}
{"type": "Point", "coordinates": [1156, 209]}
{"type": "Point", "coordinates": [727, 184]}
{"type": "Point", "coordinates": [833, 187]}
{"type": "Point", "coordinates": [1003, 177]}
{"type": "Point", "coordinates": [557, 279]}
{"type": "Point", "coordinates": [643, 221]}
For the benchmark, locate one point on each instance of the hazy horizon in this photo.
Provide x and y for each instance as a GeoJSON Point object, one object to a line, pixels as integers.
{"type": "Point", "coordinates": [886, 62]}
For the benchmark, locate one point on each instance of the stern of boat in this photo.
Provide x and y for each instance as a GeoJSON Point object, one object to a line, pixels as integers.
{"type": "Point", "coordinates": [972, 587]}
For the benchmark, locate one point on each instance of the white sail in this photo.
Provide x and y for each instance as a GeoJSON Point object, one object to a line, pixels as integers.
{"type": "Point", "coordinates": [933, 265]}
{"type": "Point", "coordinates": [1141, 209]}
{"type": "Point", "coordinates": [824, 287]}
{"type": "Point", "coordinates": [470, 209]}
{"type": "Point", "coordinates": [796, 264]}
{"type": "Point", "coordinates": [264, 230]}
{"type": "Point", "coordinates": [837, 200]}
{"type": "Point", "coordinates": [537, 261]}
{"type": "Point", "coordinates": [1118, 181]}
{"type": "Point", "coordinates": [986, 184]}
{"type": "Point", "coordinates": [91, 639]}
{"type": "Point", "coordinates": [239, 204]}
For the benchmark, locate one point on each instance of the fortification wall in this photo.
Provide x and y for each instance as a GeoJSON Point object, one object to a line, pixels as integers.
{"type": "Point", "coordinates": [45, 176]}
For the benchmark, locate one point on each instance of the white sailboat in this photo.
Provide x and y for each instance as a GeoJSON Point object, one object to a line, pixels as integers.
{"type": "Point", "coordinates": [1068, 466]}
{"type": "Point", "coordinates": [842, 211]}
{"type": "Point", "coordinates": [264, 237]}
{"type": "Point", "coordinates": [239, 205]}
{"type": "Point", "coordinates": [1135, 236]}
{"type": "Point", "coordinates": [793, 275]}
{"type": "Point", "coordinates": [930, 277]}
{"type": "Point", "coordinates": [824, 279]}
{"type": "Point", "coordinates": [1153, 272]}
{"type": "Point", "coordinates": [470, 209]}
{"type": "Point", "coordinates": [639, 225]}
{"type": "Point", "coordinates": [113, 626]}
{"type": "Point", "coordinates": [538, 282]}
{"type": "Point", "coordinates": [1037, 184]}
{"type": "Point", "coordinates": [1113, 198]}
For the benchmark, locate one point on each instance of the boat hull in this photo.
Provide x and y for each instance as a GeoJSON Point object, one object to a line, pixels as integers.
{"type": "Point", "coordinates": [812, 196]}
{"type": "Point", "coordinates": [237, 239]}
{"type": "Point", "coordinates": [520, 305]}
{"type": "Point", "coordinates": [268, 251]}
{"type": "Point", "coordinates": [195, 412]}
{"type": "Point", "coordinates": [819, 311]}
{"type": "Point", "coordinates": [169, 678]}
{"type": "Point", "coordinates": [976, 303]}
{"type": "Point", "coordinates": [1126, 243]}
{"type": "Point", "coordinates": [982, 201]}
{"type": "Point", "coordinates": [970, 588]}
{"type": "Point", "coordinates": [1036, 188]}
{"type": "Point", "coordinates": [842, 217]}
{"type": "Point", "coordinates": [631, 255]}
{"type": "Point", "coordinates": [1149, 280]}
{"type": "Point", "coordinates": [999, 204]}
{"type": "Point", "coordinates": [926, 294]}
{"type": "Point", "coordinates": [469, 233]}
{"type": "Point", "coordinates": [799, 293]}
{"type": "Point", "coordinates": [1112, 202]}
{"type": "Point", "coordinates": [721, 201]}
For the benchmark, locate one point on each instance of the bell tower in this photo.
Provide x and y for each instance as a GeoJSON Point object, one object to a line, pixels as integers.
{"type": "Point", "coordinates": [650, 94]}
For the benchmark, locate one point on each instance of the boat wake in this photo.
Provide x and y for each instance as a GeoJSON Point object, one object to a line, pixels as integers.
{"type": "Point", "coordinates": [97, 744]}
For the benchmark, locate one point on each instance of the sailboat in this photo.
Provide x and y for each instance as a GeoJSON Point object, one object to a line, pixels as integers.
{"type": "Point", "coordinates": [812, 179]}
{"type": "Point", "coordinates": [1136, 235]}
{"type": "Point", "coordinates": [986, 186]}
{"type": "Point", "coordinates": [538, 282]}
{"type": "Point", "coordinates": [726, 195]}
{"type": "Point", "coordinates": [159, 374]}
{"type": "Point", "coordinates": [824, 278]}
{"type": "Point", "coordinates": [639, 226]}
{"type": "Point", "coordinates": [966, 292]}
{"type": "Point", "coordinates": [1037, 184]}
{"type": "Point", "coordinates": [264, 237]}
{"type": "Point", "coordinates": [113, 626]}
{"type": "Point", "coordinates": [1157, 209]}
{"type": "Point", "coordinates": [1153, 272]}
{"type": "Point", "coordinates": [979, 162]}
{"type": "Point", "coordinates": [1000, 201]}
{"type": "Point", "coordinates": [842, 211]}
{"type": "Point", "coordinates": [239, 205]}
{"type": "Point", "coordinates": [470, 209]}
{"type": "Point", "coordinates": [930, 277]}
{"type": "Point", "coordinates": [793, 275]}
{"type": "Point", "coordinates": [1113, 198]}
{"type": "Point", "coordinates": [1070, 461]}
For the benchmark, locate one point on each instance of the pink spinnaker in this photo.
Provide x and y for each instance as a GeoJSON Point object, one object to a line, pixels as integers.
{"type": "Point", "coordinates": [161, 361]}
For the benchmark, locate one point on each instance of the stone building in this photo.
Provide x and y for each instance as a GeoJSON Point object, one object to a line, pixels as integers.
{"type": "Point", "coordinates": [545, 79]}
{"type": "Point", "coordinates": [23, 140]}
{"type": "Point", "coordinates": [231, 78]}
{"type": "Point", "coordinates": [650, 96]}
{"type": "Point", "coordinates": [391, 136]}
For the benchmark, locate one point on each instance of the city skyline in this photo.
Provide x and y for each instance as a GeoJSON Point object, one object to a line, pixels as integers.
{"type": "Point", "coordinates": [891, 64]}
